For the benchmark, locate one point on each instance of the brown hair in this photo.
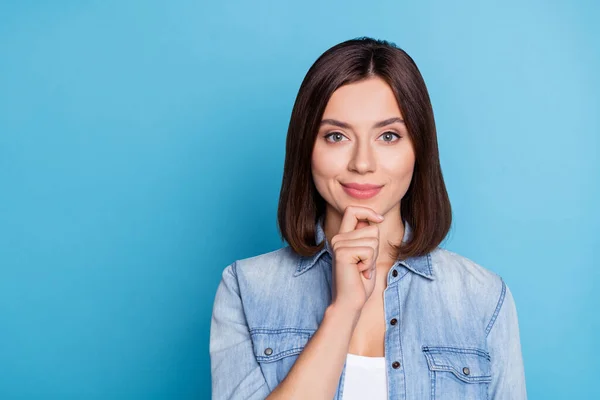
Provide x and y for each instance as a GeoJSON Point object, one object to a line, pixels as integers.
{"type": "Point", "coordinates": [425, 206]}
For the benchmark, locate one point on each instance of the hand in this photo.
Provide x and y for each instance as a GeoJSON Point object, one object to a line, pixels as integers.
{"type": "Point", "coordinates": [355, 249]}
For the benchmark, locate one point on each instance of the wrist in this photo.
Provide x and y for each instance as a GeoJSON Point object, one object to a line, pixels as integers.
{"type": "Point", "coordinates": [339, 312]}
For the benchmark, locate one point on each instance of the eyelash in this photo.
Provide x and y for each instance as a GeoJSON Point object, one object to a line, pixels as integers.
{"type": "Point", "coordinates": [384, 133]}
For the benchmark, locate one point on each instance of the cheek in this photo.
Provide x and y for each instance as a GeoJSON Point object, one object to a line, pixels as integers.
{"type": "Point", "coordinates": [325, 164]}
{"type": "Point", "coordinates": [321, 175]}
{"type": "Point", "coordinates": [401, 167]}
{"type": "Point", "coordinates": [325, 170]}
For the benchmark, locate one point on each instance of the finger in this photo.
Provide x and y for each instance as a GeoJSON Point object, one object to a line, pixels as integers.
{"type": "Point", "coordinates": [361, 256]}
{"type": "Point", "coordinates": [361, 224]}
{"type": "Point", "coordinates": [370, 241]}
{"type": "Point", "coordinates": [354, 214]}
{"type": "Point", "coordinates": [369, 231]}
{"type": "Point", "coordinates": [366, 273]}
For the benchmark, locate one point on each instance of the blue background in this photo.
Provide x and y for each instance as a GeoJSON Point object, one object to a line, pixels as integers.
{"type": "Point", "coordinates": [142, 147]}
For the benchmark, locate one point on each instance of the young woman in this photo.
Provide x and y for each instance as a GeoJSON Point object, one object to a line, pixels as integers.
{"type": "Point", "coordinates": [363, 303]}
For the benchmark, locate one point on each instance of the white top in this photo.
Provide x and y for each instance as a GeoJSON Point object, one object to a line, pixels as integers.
{"type": "Point", "coordinates": [365, 378]}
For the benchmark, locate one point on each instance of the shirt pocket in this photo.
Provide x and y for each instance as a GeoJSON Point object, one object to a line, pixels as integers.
{"type": "Point", "coordinates": [458, 372]}
{"type": "Point", "coordinates": [276, 350]}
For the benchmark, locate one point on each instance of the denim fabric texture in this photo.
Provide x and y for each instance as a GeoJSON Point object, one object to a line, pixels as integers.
{"type": "Point", "coordinates": [456, 336]}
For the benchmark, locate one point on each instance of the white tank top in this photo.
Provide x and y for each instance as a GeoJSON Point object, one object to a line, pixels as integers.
{"type": "Point", "coordinates": [365, 378]}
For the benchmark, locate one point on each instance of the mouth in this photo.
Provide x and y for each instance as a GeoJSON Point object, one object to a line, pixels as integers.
{"type": "Point", "coordinates": [361, 191]}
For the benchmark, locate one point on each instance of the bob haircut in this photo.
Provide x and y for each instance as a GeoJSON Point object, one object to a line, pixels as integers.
{"type": "Point", "coordinates": [425, 206]}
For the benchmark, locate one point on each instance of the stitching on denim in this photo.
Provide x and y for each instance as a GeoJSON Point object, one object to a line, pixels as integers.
{"type": "Point", "coordinates": [306, 263]}
{"type": "Point", "coordinates": [301, 335]}
{"type": "Point", "coordinates": [265, 330]}
{"type": "Point", "coordinates": [435, 369]}
{"type": "Point", "coordinates": [452, 349]}
{"type": "Point", "coordinates": [498, 306]}
{"type": "Point", "coordinates": [471, 379]}
{"type": "Point", "coordinates": [433, 366]}
{"type": "Point", "coordinates": [279, 356]}
{"type": "Point", "coordinates": [404, 272]}
{"type": "Point", "coordinates": [429, 262]}
{"type": "Point", "coordinates": [233, 272]}
{"type": "Point", "coordinates": [397, 332]}
{"type": "Point", "coordinates": [432, 378]}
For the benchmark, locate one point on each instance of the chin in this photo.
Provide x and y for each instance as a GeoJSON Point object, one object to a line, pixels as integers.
{"type": "Point", "coordinates": [369, 203]}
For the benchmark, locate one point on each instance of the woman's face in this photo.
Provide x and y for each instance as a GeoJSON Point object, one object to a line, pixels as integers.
{"type": "Point", "coordinates": [362, 140]}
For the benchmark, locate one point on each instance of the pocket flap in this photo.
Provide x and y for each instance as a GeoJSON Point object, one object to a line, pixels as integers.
{"type": "Point", "coordinates": [470, 365]}
{"type": "Point", "coordinates": [274, 344]}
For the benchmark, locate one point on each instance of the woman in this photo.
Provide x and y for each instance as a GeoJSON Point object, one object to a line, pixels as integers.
{"type": "Point", "coordinates": [363, 303]}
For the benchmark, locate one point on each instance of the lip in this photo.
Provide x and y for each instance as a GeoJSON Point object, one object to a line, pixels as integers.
{"type": "Point", "coordinates": [361, 186]}
{"type": "Point", "coordinates": [361, 191]}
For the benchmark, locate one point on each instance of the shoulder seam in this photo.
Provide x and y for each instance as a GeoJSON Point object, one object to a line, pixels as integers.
{"type": "Point", "coordinates": [498, 307]}
{"type": "Point", "coordinates": [234, 268]}
{"type": "Point", "coordinates": [231, 269]}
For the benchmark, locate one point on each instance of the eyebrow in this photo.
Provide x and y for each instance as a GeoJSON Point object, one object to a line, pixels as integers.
{"type": "Point", "coordinates": [379, 124]}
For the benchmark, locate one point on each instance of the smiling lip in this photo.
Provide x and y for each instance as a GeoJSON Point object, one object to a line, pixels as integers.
{"type": "Point", "coordinates": [361, 191]}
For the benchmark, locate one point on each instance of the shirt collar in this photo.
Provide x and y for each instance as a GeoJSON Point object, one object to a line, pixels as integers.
{"type": "Point", "coordinates": [420, 265]}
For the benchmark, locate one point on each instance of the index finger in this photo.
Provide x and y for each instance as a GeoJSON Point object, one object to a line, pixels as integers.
{"type": "Point", "coordinates": [353, 214]}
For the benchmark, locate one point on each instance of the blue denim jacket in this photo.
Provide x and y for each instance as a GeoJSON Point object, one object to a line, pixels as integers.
{"type": "Point", "coordinates": [456, 336]}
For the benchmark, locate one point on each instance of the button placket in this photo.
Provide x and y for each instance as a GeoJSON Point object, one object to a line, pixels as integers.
{"type": "Point", "coordinates": [393, 343]}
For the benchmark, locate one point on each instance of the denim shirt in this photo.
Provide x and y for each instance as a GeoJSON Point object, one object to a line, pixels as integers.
{"type": "Point", "coordinates": [455, 333]}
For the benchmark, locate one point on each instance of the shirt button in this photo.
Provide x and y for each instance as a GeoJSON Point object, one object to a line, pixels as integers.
{"type": "Point", "coordinates": [394, 273]}
{"type": "Point", "coordinates": [395, 365]}
{"type": "Point", "coordinates": [268, 351]}
{"type": "Point", "coordinates": [393, 321]}
{"type": "Point", "coordinates": [466, 371]}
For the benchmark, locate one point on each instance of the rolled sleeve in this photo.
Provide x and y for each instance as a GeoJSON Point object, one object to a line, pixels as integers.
{"type": "Point", "coordinates": [235, 373]}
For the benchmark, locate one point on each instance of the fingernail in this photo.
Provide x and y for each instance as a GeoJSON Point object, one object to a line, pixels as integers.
{"type": "Point", "coordinates": [380, 216]}
{"type": "Point", "coordinates": [370, 274]}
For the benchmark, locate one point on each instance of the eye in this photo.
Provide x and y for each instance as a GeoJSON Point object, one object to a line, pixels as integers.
{"type": "Point", "coordinates": [390, 135]}
{"type": "Point", "coordinates": [336, 135]}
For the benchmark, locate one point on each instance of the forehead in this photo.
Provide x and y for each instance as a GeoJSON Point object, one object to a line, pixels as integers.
{"type": "Point", "coordinates": [370, 99]}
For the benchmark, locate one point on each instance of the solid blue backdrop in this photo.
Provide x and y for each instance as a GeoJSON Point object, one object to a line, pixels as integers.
{"type": "Point", "coordinates": [142, 147]}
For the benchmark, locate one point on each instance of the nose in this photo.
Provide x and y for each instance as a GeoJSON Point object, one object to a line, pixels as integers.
{"type": "Point", "coordinates": [363, 158]}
